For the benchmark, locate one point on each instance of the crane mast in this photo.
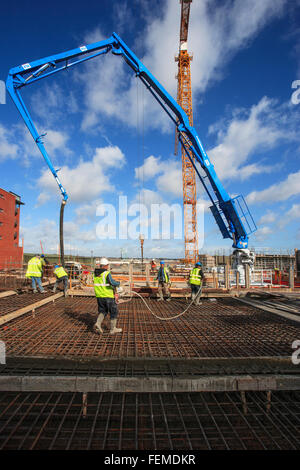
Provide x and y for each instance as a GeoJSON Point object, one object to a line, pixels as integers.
{"type": "Point", "coordinates": [184, 99]}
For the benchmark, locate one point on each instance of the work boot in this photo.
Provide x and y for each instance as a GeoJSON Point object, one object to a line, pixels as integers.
{"type": "Point", "coordinates": [35, 291]}
{"type": "Point", "coordinates": [97, 327]}
{"type": "Point", "coordinates": [168, 299]}
{"type": "Point", "coordinates": [66, 293]}
{"type": "Point", "coordinates": [42, 291]}
{"type": "Point", "coordinates": [193, 296]}
{"type": "Point", "coordinates": [161, 297]}
{"type": "Point", "coordinates": [113, 329]}
{"type": "Point", "coordinates": [54, 290]}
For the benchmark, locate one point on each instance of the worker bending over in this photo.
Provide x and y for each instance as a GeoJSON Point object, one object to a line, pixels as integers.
{"type": "Point", "coordinates": [163, 283]}
{"type": "Point", "coordinates": [104, 287]}
{"type": "Point", "coordinates": [35, 272]}
{"type": "Point", "coordinates": [196, 280]}
{"type": "Point", "coordinates": [61, 276]}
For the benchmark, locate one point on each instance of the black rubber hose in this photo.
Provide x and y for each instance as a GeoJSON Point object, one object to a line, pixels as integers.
{"type": "Point", "coordinates": [61, 233]}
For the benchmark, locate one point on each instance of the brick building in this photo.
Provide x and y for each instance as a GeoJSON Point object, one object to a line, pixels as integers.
{"type": "Point", "coordinates": [11, 254]}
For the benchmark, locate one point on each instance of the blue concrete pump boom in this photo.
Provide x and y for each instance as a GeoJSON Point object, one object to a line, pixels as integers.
{"type": "Point", "coordinates": [231, 214]}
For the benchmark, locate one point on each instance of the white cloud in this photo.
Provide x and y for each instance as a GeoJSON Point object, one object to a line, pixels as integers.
{"type": "Point", "coordinates": [26, 149]}
{"type": "Point", "coordinates": [8, 148]}
{"type": "Point", "coordinates": [171, 180]}
{"type": "Point", "coordinates": [205, 203]}
{"type": "Point", "coordinates": [151, 167]}
{"type": "Point", "coordinates": [46, 231]}
{"type": "Point", "coordinates": [280, 191]}
{"type": "Point", "coordinates": [86, 212]}
{"type": "Point", "coordinates": [263, 233]}
{"type": "Point", "coordinates": [290, 216]}
{"type": "Point", "coordinates": [268, 218]}
{"type": "Point", "coordinates": [89, 178]}
{"type": "Point", "coordinates": [168, 174]}
{"type": "Point", "coordinates": [219, 30]}
{"type": "Point", "coordinates": [52, 103]}
{"type": "Point", "coordinates": [73, 233]}
{"type": "Point", "coordinates": [250, 132]}
{"type": "Point", "coordinates": [148, 197]}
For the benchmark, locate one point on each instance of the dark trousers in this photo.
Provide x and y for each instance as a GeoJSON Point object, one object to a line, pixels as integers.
{"type": "Point", "coordinates": [107, 305]}
{"type": "Point", "coordinates": [195, 288]}
{"type": "Point", "coordinates": [63, 279]}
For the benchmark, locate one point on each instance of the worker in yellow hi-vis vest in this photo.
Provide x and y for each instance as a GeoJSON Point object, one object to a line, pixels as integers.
{"type": "Point", "coordinates": [105, 286]}
{"type": "Point", "coordinates": [35, 272]}
{"type": "Point", "coordinates": [196, 281]}
{"type": "Point", "coordinates": [61, 276]}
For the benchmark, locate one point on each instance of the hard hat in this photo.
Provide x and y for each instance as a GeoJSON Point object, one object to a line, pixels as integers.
{"type": "Point", "coordinates": [162, 262]}
{"type": "Point", "coordinates": [104, 261]}
{"type": "Point", "coordinates": [198, 264]}
{"type": "Point", "coordinates": [42, 256]}
{"type": "Point", "coordinates": [56, 266]}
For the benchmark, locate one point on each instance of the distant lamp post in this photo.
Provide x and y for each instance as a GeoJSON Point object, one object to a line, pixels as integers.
{"type": "Point", "coordinates": [142, 238]}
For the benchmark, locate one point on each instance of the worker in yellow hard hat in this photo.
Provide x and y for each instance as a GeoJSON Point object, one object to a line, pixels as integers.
{"type": "Point", "coordinates": [104, 286]}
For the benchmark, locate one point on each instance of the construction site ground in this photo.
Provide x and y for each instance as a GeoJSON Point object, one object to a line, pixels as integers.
{"type": "Point", "coordinates": [218, 377]}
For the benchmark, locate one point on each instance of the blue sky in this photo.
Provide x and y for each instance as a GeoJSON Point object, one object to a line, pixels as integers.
{"type": "Point", "coordinates": [104, 130]}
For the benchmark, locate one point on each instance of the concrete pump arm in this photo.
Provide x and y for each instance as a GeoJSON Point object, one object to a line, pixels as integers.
{"type": "Point", "coordinates": [231, 214]}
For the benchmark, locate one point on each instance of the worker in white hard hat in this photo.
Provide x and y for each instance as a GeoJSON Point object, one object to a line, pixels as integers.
{"type": "Point", "coordinates": [104, 286]}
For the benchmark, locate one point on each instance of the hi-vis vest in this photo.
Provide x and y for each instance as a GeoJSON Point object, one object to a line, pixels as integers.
{"type": "Point", "coordinates": [60, 272]}
{"type": "Point", "coordinates": [102, 287]}
{"type": "Point", "coordinates": [195, 277]}
{"type": "Point", "coordinates": [35, 266]}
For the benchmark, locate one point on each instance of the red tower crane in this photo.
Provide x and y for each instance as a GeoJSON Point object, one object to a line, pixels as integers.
{"type": "Point", "coordinates": [184, 99]}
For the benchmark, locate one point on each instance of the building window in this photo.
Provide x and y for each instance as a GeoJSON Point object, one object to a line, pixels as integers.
{"type": "Point", "coordinates": [15, 235]}
{"type": "Point", "coordinates": [16, 224]}
{"type": "Point", "coordinates": [1, 223]}
{"type": "Point", "coordinates": [1, 210]}
{"type": "Point", "coordinates": [1, 196]}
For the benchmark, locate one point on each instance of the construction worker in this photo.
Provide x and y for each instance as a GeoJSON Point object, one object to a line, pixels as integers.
{"type": "Point", "coordinates": [196, 279]}
{"type": "Point", "coordinates": [35, 272]}
{"type": "Point", "coordinates": [163, 283]}
{"type": "Point", "coordinates": [61, 276]}
{"type": "Point", "coordinates": [104, 286]}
